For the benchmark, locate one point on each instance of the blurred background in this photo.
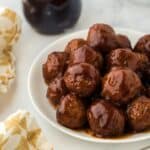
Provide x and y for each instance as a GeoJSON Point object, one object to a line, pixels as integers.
{"type": "Point", "coordinates": [132, 14]}
{"type": "Point", "coordinates": [123, 13]}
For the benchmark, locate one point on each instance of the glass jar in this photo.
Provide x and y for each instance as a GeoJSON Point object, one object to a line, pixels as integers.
{"type": "Point", "coordinates": [52, 16]}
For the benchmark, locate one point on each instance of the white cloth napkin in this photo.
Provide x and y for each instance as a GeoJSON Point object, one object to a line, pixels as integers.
{"type": "Point", "coordinates": [21, 132]}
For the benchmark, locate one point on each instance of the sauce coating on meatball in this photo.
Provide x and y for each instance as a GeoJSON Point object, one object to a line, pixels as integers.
{"type": "Point", "coordinates": [102, 38]}
{"type": "Point", "coordinates": [71, 112]}
{"type": "Point", "coordinates": [139, 113]}
{"type": "Point", "coordinates": [56, 90]}
{"type": "Point", "coordinates": [143, 45]}
{"type": "Point", "coordinates": [121, 85]}
{"type": "Point", "coordinates": [127, 58]}
{"type": "Point", "coordinates": [74, 44]}
{"type": "Point", "coordinates": [82, 79]}
{"type": "Point", "coordinates": [105, 119]}
{"type": "Point", "coordinates": [85, 54]}
{"type": "Point", "coordinates": [123, 41]}
{"type": "Point", "coordinates": [55, 65]}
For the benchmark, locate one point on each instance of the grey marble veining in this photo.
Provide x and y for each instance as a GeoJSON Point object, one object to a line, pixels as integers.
{"type": "Point", "coordinates": [134, 14]}
{"type": "Point", "coordinates": [120, 13]}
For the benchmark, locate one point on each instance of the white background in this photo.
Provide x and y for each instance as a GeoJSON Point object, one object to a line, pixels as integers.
{"type": "Point", "coordinates": [119, 13]}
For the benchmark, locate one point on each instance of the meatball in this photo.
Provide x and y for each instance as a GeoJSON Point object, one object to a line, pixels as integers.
{"type": "Point", "coordinates": [121, 85]}
{"type": "Point", "coordinates": [123, 41]}
{"type": "Point", "coordinates": [139, 113]}
{"type": "Point", "coordinates": [74, 44]}
{"type": "Point", "coordinates": [127, 58]}
{"type": "Point", "coordinates": [148, 91]}
{"type": "Point", "coordinates": [102, 38]}
{"type": "Point", "coordinates": [71, 112]}
{"type": "Point", "coordinates": [145, 77]}
{"type": "Point", "coordinates": [143, 45]}
{"type": "Point", "coordinates": [82, 79]}
{"type": "Point", "coordinates": [56, 90]}
{"type": "Point", "coordinates": [87, 55]}
{"type": "Point", "coordinates": [55, 65]}
{"type": "Point", "coordinates": [105, 119]}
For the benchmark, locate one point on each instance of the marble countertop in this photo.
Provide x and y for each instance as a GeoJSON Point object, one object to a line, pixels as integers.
{"type": "Point", "coordinates": [118, 13]}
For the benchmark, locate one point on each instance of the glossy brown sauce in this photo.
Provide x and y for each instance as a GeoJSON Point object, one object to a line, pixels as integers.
{"type": "Point", "coordinates": [52, 104]}
{"type": "Point", "coordinates": [86, 129]}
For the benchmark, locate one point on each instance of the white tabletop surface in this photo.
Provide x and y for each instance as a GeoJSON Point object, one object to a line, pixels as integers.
{"type": "Point", "coordinates": [119, 13]}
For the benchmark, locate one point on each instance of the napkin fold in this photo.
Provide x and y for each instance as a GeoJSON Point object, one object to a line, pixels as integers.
{"type": "Point", "coordinates": [10, 30]}
{"type": "Point", "coordinates": [20, 131]}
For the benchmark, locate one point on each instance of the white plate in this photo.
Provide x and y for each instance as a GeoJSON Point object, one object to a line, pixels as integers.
{"type": "Point", "coordinates": [37, 89]}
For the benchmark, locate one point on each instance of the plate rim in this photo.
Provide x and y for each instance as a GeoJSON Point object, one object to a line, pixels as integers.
{"type": "Point", "coordinates": [59, 127]}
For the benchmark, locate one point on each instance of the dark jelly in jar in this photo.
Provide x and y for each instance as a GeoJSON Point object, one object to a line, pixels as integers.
{"type": "Point", "coordinates": [52, 16]}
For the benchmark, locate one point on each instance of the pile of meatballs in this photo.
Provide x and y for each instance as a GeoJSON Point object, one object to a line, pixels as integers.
{"type": "Point", "coordinates": [101, 83]}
